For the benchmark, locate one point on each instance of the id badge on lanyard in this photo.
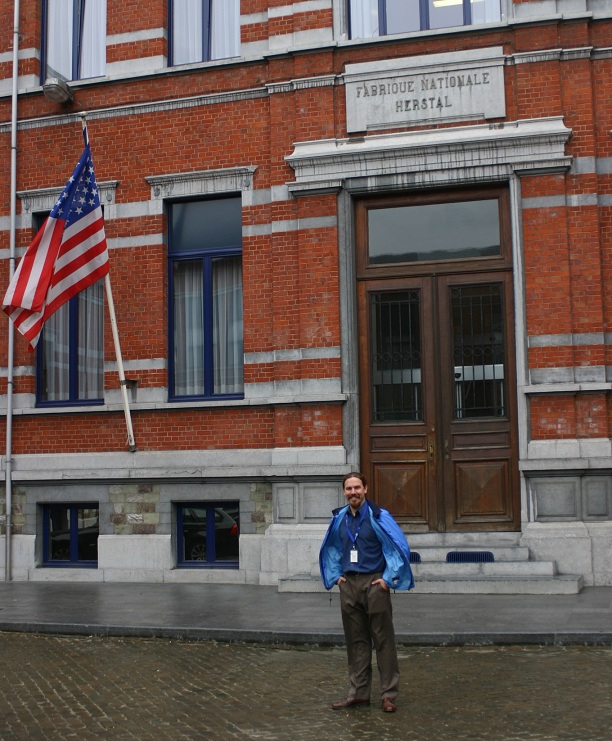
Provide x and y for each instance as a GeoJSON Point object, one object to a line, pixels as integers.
{"type": "Point", "coordinates": [354, 554]}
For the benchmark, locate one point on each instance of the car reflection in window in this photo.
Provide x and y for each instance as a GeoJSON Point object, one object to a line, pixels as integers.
{"type": "Point", "coordinates": [196, 535]}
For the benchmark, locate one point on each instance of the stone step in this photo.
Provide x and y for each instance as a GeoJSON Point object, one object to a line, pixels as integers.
{"type": "Point", "coordinates": [500, 553]}
{"type": "Point", "coordinates": [559, 584]}
{"type": "Point", "coordinates": [510, 572]}
{"type": "Point", "coordinates": [517, 569]}
{"type": "Point", "coordinates": [479, 541]}
{"type": "Point", "coordinates": [476, 584]}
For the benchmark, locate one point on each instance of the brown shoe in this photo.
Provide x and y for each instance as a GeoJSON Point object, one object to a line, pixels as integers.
{"type": "Point", "coordinates": [349, 703]}
{"type": "Point", "coordinates": [388, 705]}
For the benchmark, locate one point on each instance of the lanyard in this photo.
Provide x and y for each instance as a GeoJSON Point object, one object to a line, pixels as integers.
{"type": "Point", "coordinates": [354, 537]}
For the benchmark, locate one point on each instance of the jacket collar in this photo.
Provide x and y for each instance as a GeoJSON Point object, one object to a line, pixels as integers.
{"type": "Point", "coordinates": [375, 509]}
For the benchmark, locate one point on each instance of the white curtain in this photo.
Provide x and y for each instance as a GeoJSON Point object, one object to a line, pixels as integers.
{"type": "Point", "coordinates": [89, 350]}
{"type": "Point", "coordinates": [92, 62]}
{"type": "Point", "coordinates": [60, 41]}
{"type": "Point", "coordinates": [225, 29]}
{"type": "Point", "coordinates": [59, 38]}
{"type": "Point", "coordinates": [186, 31]}
{"type": "Point", "coordinates": [486, 11]}
{"type": "Point", "coordinates": [56, 356]}
{"type": "Point", "coordinates": [188, 328]}
{"type": "Point", "coordinates": [91, 342]}
{"type": "Point", "coordinates": [228, 353]}
{"type": "Point", "coordinates": [364, 19]}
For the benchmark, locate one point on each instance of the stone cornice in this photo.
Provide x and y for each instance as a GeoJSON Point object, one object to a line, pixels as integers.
{"type": "Point", "coordinates": [421, 158]}
{"type": "Point", "coordinates": [43, 199]}
{"type": "Point", "coordinates": [231, 179]}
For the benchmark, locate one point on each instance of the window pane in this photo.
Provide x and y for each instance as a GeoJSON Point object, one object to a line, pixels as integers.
{"type": "Point", "coordinates": [91, 342]}
{"type": "Point", "coordinates": [439, 231]}
{"type": "Point", "coordinates": [202, 225]}
{"type": "Point", "coordinates": [59, 38]}
{"type": "Point", "coordinates": [92, 47]}
{"type": "Point", "coordinates": [88, 529]}
{"type": "Point", "coordinates": [364, 19]}
{"type": "Point", "coordinates": [72, 349]}
{"type": "Point", "coordinates": [208, 533]}
{"type": "Point", "coordinates": [186, 31]}
{"type": "Point", "coordinates": [82, 56]}
{"type": "Point", "coordinates": [486, 11]}
{"type": "Point", "coordinates": [226, 534]}
{"type": "Point", "coordinates": [225, 29]}
{"type": "Point", "coordinates": [188, 328]}
{"type": "Point", "coordinates": [72, 533]}
{"type": "Point", "coordinates": [227, 326]}
{"type": "Point", "coordinates": [478, 351]}
{"type": "Point", "coordinates": [59, 533]}
{"type": "Point", "coordinates": [445, 13]}
{"type": "Point", "coordinates": [396, 356]}
{"type": "Point", "coordinates": [207, 297]}
{"type": "Point", "coordinates": [403, 16]}
{"type": "Point", "coordinates": [194, 534]}
{"type": "Point", "coordinates": [55, 350]}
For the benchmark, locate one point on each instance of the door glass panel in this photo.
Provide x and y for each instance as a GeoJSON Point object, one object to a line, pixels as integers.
{"type": "Point", "coordinates": [435, 231]}
{"type": "Point", "coordinates": [477, 315]}
{"type": "Point", "coordinates": [396, 356]}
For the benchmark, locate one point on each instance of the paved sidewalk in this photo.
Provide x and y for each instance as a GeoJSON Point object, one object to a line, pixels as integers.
{"type": "Point", "coordinates": [90, 688]}
{"type": "Point", "coordinates": [261, 614]}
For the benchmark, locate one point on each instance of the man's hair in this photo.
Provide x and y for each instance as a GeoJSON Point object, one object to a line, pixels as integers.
{"type": "Point", "coordinates": [354, 475]}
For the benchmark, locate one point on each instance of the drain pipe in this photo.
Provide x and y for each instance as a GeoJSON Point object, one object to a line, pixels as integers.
{"type": "Point", "coordinates": [11, 327]}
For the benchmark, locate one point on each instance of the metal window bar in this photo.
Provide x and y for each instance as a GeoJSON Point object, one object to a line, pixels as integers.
{"type": "Point", "coordinates": [478, 351]}
{"type": "Point", "coordinates": [396, 356]}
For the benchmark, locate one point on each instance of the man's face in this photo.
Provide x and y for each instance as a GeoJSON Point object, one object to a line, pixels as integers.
{"type": "Point", "coordinates": [355, 492]}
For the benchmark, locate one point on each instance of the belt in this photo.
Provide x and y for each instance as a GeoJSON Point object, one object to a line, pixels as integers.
{"type": "Point", "coordinates": [361, 573]}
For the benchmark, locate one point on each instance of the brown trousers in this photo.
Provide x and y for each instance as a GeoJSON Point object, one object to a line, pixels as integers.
{"type": "Point", "coordinates": [367, 617]}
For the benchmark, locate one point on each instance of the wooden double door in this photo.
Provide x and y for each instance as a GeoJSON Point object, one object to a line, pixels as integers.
{"type": "Point", "coordinates": [437, 385]}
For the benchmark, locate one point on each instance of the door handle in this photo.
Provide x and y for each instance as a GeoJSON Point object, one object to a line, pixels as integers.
{"type": "Point", "coordinates": [446, 453]}
{"type": "Point", "coordinates": [432, 450]}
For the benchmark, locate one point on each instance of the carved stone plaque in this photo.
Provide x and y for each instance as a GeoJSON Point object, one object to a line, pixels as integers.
{"type": "Point", "coordinates": [413, 91]}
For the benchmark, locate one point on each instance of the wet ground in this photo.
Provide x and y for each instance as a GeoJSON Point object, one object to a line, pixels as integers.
{"type": "Point", "coordinates": [60, 687]}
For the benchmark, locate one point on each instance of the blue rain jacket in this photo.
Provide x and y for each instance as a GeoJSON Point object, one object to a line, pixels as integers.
{"type": "Point", "coordinates": [397, 573]}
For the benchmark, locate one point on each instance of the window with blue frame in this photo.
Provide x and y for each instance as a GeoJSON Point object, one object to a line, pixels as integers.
{"type": "Point", "coordinates": [70, 351]}
{"type": "Point", "coordinates": [205, 275]}
{"type": "Point", "coordinates": [208, 534]}
{"type": "Point", "coordinates": [70, 534]}
{"type": "Point", "coordinates": [73, 45]}
{"type": "Point", "coordinates": [369, 18]}
{"type": "Point", "coordinates": [202, 30]}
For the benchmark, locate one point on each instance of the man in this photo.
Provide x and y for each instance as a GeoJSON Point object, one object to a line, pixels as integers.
{"type": "Point", "coordinates": [366, 554]}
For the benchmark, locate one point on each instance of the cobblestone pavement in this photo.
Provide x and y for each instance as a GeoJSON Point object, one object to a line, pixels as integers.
{"type": "Point", "coordinates": [57, 687]}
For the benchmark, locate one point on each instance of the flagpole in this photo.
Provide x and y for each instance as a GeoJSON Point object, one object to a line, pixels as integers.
{"type": "Point", "coordinates": [113, 322]}
{"type": "Point", "coordinates": [11, 328]}
{"type": "Point", "coordinates": [122, 381]}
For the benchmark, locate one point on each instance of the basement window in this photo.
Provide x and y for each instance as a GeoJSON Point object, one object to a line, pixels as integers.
{"type": "Point", "coordinates": [208, 534]}
{"type": "Point", "coordinates": [70, 535]}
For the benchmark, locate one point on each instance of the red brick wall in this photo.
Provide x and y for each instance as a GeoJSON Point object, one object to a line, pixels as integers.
{"type": "Point", "coordinates": [291, 283]}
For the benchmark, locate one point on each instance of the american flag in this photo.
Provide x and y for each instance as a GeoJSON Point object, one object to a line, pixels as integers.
{"type": "Point", "coordinates": [68, 254]}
